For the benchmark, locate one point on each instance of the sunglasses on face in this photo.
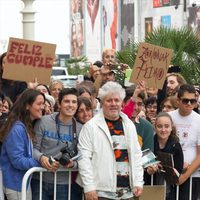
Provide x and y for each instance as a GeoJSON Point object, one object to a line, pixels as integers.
{"type": "Point", "coordinates": [186, 101]}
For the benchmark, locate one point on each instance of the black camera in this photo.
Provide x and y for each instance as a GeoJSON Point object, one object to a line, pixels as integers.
{"type": "Point", "coordinates": [69, 151]}
{"type": "Point", "coordinates": [119, 74]}
{"type": "Point", "coordinates": [65, 154]}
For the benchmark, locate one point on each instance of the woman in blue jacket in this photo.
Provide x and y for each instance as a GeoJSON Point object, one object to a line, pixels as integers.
{"type": "Point", "coordinates": [17, 135]}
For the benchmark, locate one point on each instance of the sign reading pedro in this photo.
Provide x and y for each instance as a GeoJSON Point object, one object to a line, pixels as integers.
{"type": "Point", "coordinates": [27, 60]}
{"type": "Point", "coordinates": [151, 65]}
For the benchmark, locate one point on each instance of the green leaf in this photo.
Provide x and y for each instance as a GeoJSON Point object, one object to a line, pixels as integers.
{"type": "Point", "coordinates": [184, 43]}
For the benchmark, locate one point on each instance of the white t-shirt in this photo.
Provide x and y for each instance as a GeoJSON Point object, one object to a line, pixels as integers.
{"type": "Point", "coordinates": [188, 130]}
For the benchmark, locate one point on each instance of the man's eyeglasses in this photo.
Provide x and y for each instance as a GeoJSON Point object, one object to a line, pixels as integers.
{"type": "Point", "coordinates": [186, 101]}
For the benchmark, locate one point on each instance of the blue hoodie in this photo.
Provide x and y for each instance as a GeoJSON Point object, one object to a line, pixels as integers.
{"type": "Point", "coordinates": [16, 156]}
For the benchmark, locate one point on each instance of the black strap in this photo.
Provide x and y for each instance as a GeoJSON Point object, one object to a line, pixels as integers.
{"type": "Point", "coordinates": [74, 138]}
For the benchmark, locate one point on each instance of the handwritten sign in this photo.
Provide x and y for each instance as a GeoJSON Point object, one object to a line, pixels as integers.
{"type": "Point", "coordinates": [151, 65]}
{"type": "Point", "coordinates": [27, 60]}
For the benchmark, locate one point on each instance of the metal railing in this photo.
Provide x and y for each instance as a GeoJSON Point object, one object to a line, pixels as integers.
{"type": "Point", "coordinates": [177, 188]}
{"type": "Point", "coordinates": [1, 186]}
{"type": "Point", "coordinates": [41, 171]}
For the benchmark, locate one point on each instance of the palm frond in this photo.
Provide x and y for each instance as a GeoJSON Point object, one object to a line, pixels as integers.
{"type": "Point", "coordinates": [184, 43]}
{"type": "Point", "coordinates": [128, 55]}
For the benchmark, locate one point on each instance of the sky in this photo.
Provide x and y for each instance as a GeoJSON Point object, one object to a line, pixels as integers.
{"type": "Point", "coordinates": [51, 23]}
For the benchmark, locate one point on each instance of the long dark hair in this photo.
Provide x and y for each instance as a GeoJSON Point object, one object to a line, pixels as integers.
{"type": "Point", "coordinates": [19, 112]}
{"type": "Point", "coordinates": [3, 55]}
{"type": "Point", "coordinates": [1, 69]}
{"type": "Point", "coordinates": [83, 100]}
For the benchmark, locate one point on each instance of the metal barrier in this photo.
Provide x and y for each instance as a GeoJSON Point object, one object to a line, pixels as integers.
{"type": "Point", "coordinates": [177, 188]}
{"type": "Point", "coordinates": [1, 186]}
{"type": "Point", "coordinates": [41, 170]}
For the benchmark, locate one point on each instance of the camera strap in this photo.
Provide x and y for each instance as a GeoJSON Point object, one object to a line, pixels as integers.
{"type": "Point", "coordinates": [74, 135]}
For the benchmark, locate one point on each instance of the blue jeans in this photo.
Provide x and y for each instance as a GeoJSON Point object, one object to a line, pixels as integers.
{"type": "Point", "coordinates": [184, 189]}
{"type": "Point", "coordinates": [48, 191]}
{"type": "Point", "coordinates": [61, 191]}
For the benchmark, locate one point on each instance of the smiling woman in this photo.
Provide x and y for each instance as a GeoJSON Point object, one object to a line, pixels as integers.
{"type": "Point", "coordinates": [166, 141]}
{"type": "Point", "coordinates": [17, 134]}
{"type": "Point", "coordinates": [84, 111]}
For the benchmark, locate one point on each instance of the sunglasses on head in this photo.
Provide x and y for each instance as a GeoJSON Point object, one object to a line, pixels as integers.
{"type": "Point", "coordinates": [186, 101]}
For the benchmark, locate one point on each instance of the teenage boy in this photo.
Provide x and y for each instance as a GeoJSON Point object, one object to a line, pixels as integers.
{"type": "Point", "coordinates": [53, 133]}
{"type": "Point", "coordinates": [187, 124]}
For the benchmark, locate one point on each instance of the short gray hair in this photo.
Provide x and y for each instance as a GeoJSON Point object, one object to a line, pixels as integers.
{"type": "Point", "coordinates": [111, 87]}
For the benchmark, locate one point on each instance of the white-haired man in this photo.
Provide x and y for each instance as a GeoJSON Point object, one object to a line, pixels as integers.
{"type": "Point", "coordinates": [110, 167]}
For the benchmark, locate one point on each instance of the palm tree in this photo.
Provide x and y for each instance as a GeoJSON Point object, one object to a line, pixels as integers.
{"type": "Point", "coordinates": [185, 45]}
{"type": "Point", "coordinates": [128, 54]}
{"type": "Point", "coordinates": [77, 65]}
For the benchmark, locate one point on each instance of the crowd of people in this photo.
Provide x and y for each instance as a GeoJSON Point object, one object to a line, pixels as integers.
{"type": "Point", "coordinates": [108, 125]}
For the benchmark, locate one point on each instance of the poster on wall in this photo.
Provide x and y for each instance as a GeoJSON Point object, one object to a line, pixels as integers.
{"type": "Point", "coordinates": [93, 33]}
{"type": "Point", "coordinates": [166, 21]}
{"type": "Point", "coordinates": [174, 2]}
{"type": "Point", "coordinates": [127, 22]}
{"type": "Point", "coordinates": [109, 23]}
{"type": "Point", "coordinates": [148, 25]}
{"type": "Point", "coordinates": [157, 3]}
{"type": "Point", "coordinates": [77, 27]}
{"type": "Point", "coordinates": [161, 3]}
{"type": "Point", "coordinates": [194, 19]}
{"type": "Point", "coordinates": [166, 2]}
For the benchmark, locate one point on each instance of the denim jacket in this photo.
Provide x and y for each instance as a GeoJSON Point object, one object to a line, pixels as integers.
{"type": "Point", "coordinates": [16, 156]}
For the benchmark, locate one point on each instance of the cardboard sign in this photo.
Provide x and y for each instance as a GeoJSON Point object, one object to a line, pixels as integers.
{"type": "Point", "coordinates": [151, 65]}
{"type": "Point", "coordinates": [153, 192]}
{"type": "Point", "coordinates": [27, 60]}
